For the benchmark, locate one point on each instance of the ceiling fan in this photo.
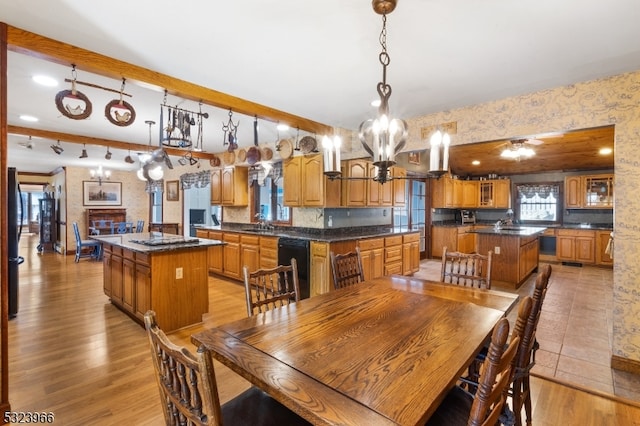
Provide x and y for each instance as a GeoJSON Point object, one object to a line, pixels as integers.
{"type": "Point", "coordinates": [517, 149]}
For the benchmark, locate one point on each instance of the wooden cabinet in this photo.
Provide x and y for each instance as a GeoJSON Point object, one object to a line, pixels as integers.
{"type": "Point", "coordinates": [234, 186]}
{"type": "Point", "coordinates": [410, 253]}
{"type": "Point", "coordinates": [231, 255]}
{"type": "Point", "coordinates": [116, 275]}
{"type": "Point", "coordinates": [143, 289]}
{"type": "Point", "coordinates": [106, 263]}
{"type": "Point", "coordinates": [495, 194]}
{"type": "Point", "coordinates": [214, 253]}
{"type": "Point", "coordinates": [372, 254]}
{"type": "Point", "coordinates": [95, 216]}
{"type": "Point", "coordinates": [528, 257]}
{"type": "Point", "coordinates": [393, 255]}
{"type": "Point", "coordinates": [216, 187]}
{"type": "Point", "coordinates": [602, 240]}
{"type": "Point", "coordinates": [576, 245]}
{"type": "Point", "coordinates": [268, 252]}
{"type": "Point", "coordinates": [250, 253]}
{"type": "Point", "coordinates": [399, 186]}
{"type": "Point", "coordinates": [128, 281]}
{"type": "Point", "coordinates": [589, 192]}
{"type": "Point", "coordinates": [469, 194]}
{"type": "Point", "coordinates": [305, 184]}
{"type": "Point", "coordinates": [443, 236]}
{"type": "Point", "coordinates": [355, 191]}
{"type": "Point", "coordinates": [466, 241]}
{"type": "Point", "coordinates": [320, 276]}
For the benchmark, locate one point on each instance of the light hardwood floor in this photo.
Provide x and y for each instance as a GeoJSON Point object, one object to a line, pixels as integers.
{"type": "Point", "coordinates": [73, 354]}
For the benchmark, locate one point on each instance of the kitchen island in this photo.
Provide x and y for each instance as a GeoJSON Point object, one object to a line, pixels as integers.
{"type": "Point", "coordinates": [164, 272]}
{"type": "Point", "coordinates": [515, 252]}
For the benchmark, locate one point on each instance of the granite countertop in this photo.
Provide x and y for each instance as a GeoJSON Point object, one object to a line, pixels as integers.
{"type": "Point", "coordinates": [154, 242]}
{"type": "Point", "coordinates": [312, 234]}
{"type": "Point", "coordinates": [593, 226]}
{"type": "Point", "coordinates": [512, 231]}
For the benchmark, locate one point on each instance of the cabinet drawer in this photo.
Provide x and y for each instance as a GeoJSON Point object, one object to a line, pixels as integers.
{"type": "Point", "coordinates": [320, 249]}
{"type": "Point", "coordinates": [250, 239]}
{"type": "Point", "coordinates": [128, 254]}
{"type": "Point", "coordinates": [116, 250]}
{"type": "Point", "coordinates": [393, 241]}
{"type": "Point", "coordinates": [268, 253]}
{"type": "Point", "coordinates": [409, 238]}
{"type": "Point", "coordinates": [202, 233]}
{"type": "Point", "coordinates": [393, 268]}
{"type": "Point", "coordinates": [575, 233]}
{"type": "Point", "coordinates": [269, 243]}
{"type": "Point", "coordinates": [374, 243]}
{"type": "Point", "coordinates": [215, 235]}
{"type": "Point", "coordinates": [393, 254]}
{"type": "Point", "coordinates": [142, 258]}
{"type": "Point", "coordinates": [231, 238]}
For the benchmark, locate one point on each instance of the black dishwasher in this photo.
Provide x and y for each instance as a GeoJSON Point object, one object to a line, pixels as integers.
{"type": "Point", "coordinates": [297, 249]}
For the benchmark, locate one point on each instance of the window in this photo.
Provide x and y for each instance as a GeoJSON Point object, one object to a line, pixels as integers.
{"type": "Point", "coordinates": [156, 205]}
{"type": "Point", "coordinates": [267, 195]}
{"type": "Point", "coordinates": [538, 203]}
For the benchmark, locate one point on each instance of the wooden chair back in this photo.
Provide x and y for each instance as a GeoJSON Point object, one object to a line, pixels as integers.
{"type": "Point", "coordinates": [346, 269]}
{"type": "Point", "coordinates": [471, 270]}
{"type": "Point", "coordinates": [495, 375]}
{"type": "Point", "coordinates": [187, 382]}
{"type": "Point", "coordinates": [267, 289]}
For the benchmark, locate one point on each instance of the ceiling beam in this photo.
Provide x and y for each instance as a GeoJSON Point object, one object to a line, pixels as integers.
{"type": "Point", "coordinates": [35, 45]}
{"type": "Point", "coordinates": [110, 143]}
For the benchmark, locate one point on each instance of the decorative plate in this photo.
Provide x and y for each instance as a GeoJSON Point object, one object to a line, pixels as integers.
{"type": "Point", "coordinates": [267, 153]}
{"type": "Point", "coordinates": [308, 144]}
{"type": "Point", "coordinates": [214, 162]}
{"type": "Point", "coordinates": [241, 156]}
{"type": "Point", "coordinates": [286, 148]}
{"type": "Point", "coordinates": [228, 157]}
{"type": "Point", "coordinates": [120, 113]}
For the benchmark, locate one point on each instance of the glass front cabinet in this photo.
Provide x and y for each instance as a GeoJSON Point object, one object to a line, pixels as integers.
{"type": "Point", "coordinates": [47, 215]}
{"type": "Point", "coordinates": [598, 191]}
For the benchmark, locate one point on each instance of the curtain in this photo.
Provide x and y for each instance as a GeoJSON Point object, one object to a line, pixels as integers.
{"type": "Point", "coordinates": [154, 186]}
{"type": "Point", "coordinates": [197, 180]}
{"type": "Point", "coordinates": [543, 190]}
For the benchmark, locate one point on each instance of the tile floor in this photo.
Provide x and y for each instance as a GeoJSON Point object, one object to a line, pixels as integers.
{"type": "Point", "coordinates": [575, 329]}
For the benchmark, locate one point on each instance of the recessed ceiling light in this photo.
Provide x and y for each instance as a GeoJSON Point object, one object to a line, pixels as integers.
{"type": "Point", "coordinates": [45, 80]}
{"type": "Point", "coordinates": [475, 162]}
{"type": "Point", "coordinates": [28, 118]}
{"type": "Point", "coordinates": [605, 151]}
{"type": "Point", "coordinates": [375, 103]}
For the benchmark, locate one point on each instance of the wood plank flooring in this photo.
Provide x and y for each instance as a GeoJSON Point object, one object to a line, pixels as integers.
{"type": "Point", "coordinates": [73, 354]}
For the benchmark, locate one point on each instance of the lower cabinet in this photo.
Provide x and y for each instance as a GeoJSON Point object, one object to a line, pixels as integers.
{"type": "Point", "coordinates": [372, 254]}
{"type": "Point", "coordinates": [602, 240]}
{"type": "Point", "coordinates": [231, 255]}
{"type": "Point", "coordinates": [268, 252]}
{"type": "Point", "coordinates": [143, 290]}
{"type": "Point", "coordinates": [410, 254]}
{"type": "Point", "coordinates": [250, 253]}
{"type": "Point", "coordinates": [320, 276]}
{"type": "Point", "coordinates": [393, 255]}
{"type": "Point", "coordinates": [576, 245]}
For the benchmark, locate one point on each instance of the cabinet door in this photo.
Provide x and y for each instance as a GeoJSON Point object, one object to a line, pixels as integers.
{"type": "Point", "coordinates": [565, 247]}
{"type": "Point", "coordinates": [399, 187]}
{"type": "Point", "coordinates": [469, 193]}
{"type": "Point", "coordinates": [602, 240]}
{"type": "Point", "coordinates": [313, 181]}
{"type": "Point", "coordinates": [373, 187]}
{"type": "Point", "coordinates": [106, 262]}
{"type": "Point", "coordinates": [457, 193]}
{"type": "Point", "coordinates": [250, 257]}
{"type": "Point", "coordinates": [377, 263]}
{"type": "Point", "coordinates": [356, 190]}
{"type": "Point", "coordinates": [573, 192]}
{"type": "Point", "coordinates": [216, 187]}
{"type": "Point", "coordinates": [231, 260]}
{"type": "Point", "coordinates": [128, 284]}
{"type": "Point", "coordinates": [502, 193]}
{"type": "Point", "coordinates": [116, 279]}
{"type": "Point", "coordinates": [143, 290]}
{"type": "Point", "coordinates": [438, 193]}
{"type": "Point", "coordinates": [486, 192]}
{"type": "Point", "coordinates": [443, 236]}
{"type": "Point", "coordinates": [214, 259]}
{"type": "Point", "coordinates": [585, 249]}
{"type": "Point", "coordinates": [292, 182]}
{"type": "Point", "coordinates": [235, 186]}
{"type": "Point", "coordinates": [321, 281]}
{"type": "Point", "coordinates": [598, 191]}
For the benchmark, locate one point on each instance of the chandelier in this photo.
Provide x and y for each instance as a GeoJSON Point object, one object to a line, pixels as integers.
{"type": "Point", "coordinates": [439, 153]}
{"type": "Point", "coordinates": [382, 137]}
{"type": "Point", "coordinates": [99, 174]}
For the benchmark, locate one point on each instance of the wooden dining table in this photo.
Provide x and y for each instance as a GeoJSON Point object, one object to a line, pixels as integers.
{"type": "Point", "coordinates": [381, 352]}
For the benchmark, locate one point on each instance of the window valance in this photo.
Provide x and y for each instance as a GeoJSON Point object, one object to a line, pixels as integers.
{"type": "Point", "coordinates": [543, 190]}
{"type": "Point", "coordinates": [197, 180]}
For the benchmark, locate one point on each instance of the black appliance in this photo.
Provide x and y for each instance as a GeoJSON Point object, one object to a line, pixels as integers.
{"type": "Point", "coordinates": [196, 217]}
{"type": "Point", "coordinates": [298, 249]}
{"type": "Point", "coordinates": [14, 231]}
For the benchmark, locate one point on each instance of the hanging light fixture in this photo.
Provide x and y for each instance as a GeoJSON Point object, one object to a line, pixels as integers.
{"type": "Point", "coordinates": [518, 150]}
{"type": "Point", "coordinates": [439, 153]}
{"type": "Point", "coordinates": [382, 137]}
{"type": "Point", "coordinates": [84, 152]}
{"type": "Point", "coordinates": [100, 174]}
{"type": "Point", "coordinates": [107, 156]}
{"type": "Point", "coordinates": [58, 149]}
{"type": "Point", "coordinates": [150, 169]}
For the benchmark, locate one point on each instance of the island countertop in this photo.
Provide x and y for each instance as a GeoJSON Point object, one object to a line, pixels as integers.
{"type": "Point", "coordinates": [154, 242]}
{"type": "Point", "coordinates": [514, 231]}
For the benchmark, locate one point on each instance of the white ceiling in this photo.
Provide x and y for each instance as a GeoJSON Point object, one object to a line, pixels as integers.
{"type": "Point", "coordinates": [314, 59]}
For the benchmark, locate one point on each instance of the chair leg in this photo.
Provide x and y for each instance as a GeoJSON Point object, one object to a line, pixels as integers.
{"type": "Point", "coordinates": [517, 401]}
{"type": "Point", "coordinates": [526, 395]}
{"type": "Point", "coordinates": [77, 254]}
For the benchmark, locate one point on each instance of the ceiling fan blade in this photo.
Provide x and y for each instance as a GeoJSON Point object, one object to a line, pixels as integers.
{"type": "Point", "coordinates": [534, 141]}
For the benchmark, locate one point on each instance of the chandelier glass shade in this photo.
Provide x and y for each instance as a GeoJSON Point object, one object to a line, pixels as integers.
{"type": "Point", "coordinates": [439, 153]}
{"type": "Point", "coordinates": [99, 174]}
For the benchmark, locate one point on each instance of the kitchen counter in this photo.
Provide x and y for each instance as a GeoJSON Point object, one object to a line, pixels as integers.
{"type": "Point", "coordinates": [517, 231]}
{"type": "Point", "coordinates": [171, 278]}
{"type": "Point", "coordinates": [154, 242]}
{"type": "Point", "coordinates": [312, 234]}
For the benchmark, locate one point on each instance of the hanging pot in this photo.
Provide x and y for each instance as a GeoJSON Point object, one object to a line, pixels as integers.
{"type": "Point", "coordinates": [253, 155]}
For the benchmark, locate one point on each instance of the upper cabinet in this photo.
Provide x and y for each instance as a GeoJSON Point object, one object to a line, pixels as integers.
{"type": "Point", "coordinates": [229, 186]}
{"type": "Point", "coordinates": [589, 192]}
{"type": "Point", "coordinates": [363, 191]}
{"type": "Point", "coordinates": [495, 194]}
{"type": "Point", "coordinates": [305, 184]}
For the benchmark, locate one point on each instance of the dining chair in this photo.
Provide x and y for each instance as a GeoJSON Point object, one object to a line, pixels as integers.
{"type": "Point", "coordinates": [471, 270]}
{"type": "Point", "coordinates": [140, 226]}
{"type": "Point", "coordinates": [346, 268]}
{"type": "Point", "coordinates": [94, 247]}
{"type": "Point", "coordinates": [121, 227]}
{"type": "Point", "coordinates": [267, 289]}
{"type": "Point", "coordinates": [189, 390]}
{"type": "Point", "coordinates": [519, 386]}
{"type": "Point", "coordinates": [460, 407]}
